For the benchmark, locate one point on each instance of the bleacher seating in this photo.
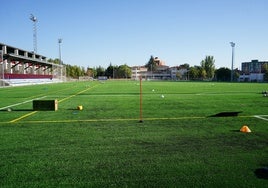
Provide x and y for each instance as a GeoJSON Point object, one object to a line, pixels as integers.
{"type": "Point", "coordinates": [27, 76]}
{"type": "Point", "coordinates": [28, 79]}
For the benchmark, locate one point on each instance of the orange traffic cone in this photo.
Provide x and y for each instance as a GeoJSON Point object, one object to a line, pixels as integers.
{"type": "Point", "coordinates": [245, 129]}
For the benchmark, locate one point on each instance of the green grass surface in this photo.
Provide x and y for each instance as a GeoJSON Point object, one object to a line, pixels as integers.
{"type": "Point", "coordinates": [104, 145]}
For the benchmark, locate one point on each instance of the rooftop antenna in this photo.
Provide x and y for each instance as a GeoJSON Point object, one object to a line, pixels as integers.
{"type": "Point", "coordinates": [34, 19]}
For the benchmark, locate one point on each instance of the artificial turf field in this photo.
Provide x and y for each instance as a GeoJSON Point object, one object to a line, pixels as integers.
{"type": "Point", "coordinates": [178, 144]}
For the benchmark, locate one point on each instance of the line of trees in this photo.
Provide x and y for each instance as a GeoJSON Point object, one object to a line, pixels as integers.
{"type": "Point", "coordinates": [205, 71]}
{"type": "Point", "coordinates": [74, 71]}
{"type": "Point", "coordinates": [122, 71]}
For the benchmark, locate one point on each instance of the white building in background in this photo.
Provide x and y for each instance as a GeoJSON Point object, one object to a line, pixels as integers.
{"type": "Point", "coordinates": [138, 71]}
{"type": "Point", "coordinates": [162, 72]}
{"type": "Point", "coordinates": [251, 77]}
{"type": "Point", "coordinates": [179, 73]}
{"type": "Point", "coordinates": [252, 71]}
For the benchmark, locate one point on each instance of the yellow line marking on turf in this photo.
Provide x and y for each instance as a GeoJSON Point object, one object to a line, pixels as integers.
{"type": "Point", "coordinates": [77, 94]}
{"type": "Point", "coordinates": [24, 116]}
{"type": "Point", "coordinates": [31, 113]}
{"type": "Point", "coordinates": [51, 92]}
{"type": "Point", "coordinates": [120, 119]}
{"type": "Point", "coordinates": [109, 120]}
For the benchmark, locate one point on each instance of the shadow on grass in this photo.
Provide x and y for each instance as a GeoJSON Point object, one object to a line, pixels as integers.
{"type": "Point", "coordinates": [16, 110]}
{"type": "Point", "coordinates": [226, 114]}
{"type": "Point", "coordinates": [236, 131]}
{"type": "Point", "coordinates": [262, 173]}
{"type": "Point", "coordinates": [73, 109]}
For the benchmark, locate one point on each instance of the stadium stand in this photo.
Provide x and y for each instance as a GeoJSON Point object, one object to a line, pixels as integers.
{"type": "Point", "coordinates": [20, 67]}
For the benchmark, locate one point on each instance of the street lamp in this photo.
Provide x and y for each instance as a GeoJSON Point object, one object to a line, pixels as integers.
{"type": "Point", "coordinates": [60, 41]}
{"type": "Point", "coordinates": [34, 19]}
{"type": "Point", "coordinates": [232, 68]}
{"type": "Point", "coordinates": [60, 62]}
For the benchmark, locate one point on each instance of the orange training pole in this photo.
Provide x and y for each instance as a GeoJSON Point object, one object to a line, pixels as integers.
{"type": "Point", "coordinates": [141, 100]}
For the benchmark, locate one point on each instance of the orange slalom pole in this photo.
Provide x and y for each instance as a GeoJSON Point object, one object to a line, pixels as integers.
{"type": "Point", "coordinates": [141, 100]}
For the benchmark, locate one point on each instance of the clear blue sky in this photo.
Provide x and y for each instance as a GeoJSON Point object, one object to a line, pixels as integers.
{"type": "Point", "coordinates": [97, 32]}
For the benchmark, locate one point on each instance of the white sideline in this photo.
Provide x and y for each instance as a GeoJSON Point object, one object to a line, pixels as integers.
{"type": "Point", "coordinates": [260, 117]}
{"type": "Point", "coordinates": [21, 103]}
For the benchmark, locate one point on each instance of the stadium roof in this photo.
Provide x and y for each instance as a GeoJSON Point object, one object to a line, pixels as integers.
{"type": "Point", "coordinates": [16, 54]}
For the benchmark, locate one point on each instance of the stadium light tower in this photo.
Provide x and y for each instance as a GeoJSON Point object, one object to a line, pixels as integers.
{"type": "Point", "coordinates": [34, 19]}
{"type": "Point", "coordinates": [60, 62]}
{"type": "Point", "coordinates": [232, 68]}
{"type": "Point", "coordinates": [60, 41]}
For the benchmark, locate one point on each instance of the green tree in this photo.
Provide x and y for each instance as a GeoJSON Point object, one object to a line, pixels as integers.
{"type": "Point", "coordinates": [184, 66]}
{"type": "Point", "coordinates": [265, 71]}
{"type": "Point", "coordinates": [223, 74]}
{"type": "Point", "coordinates": [55, 61]}
{"type": "Point", "coordinates": [208, 64]}
{"type": "Point", "coordinates": [178, 76]}
{"type": "Point", "coordinates": [265, 77]}
{"type": "Point", "coordinates": [124, 71]}
{"type": "Point", "coordinates": [193, 73]}
{"type": "Point", "coordinates": [77, 71]}
{"type": "Point", "coordinates": [111, 71]}
{"type": "Point", "coordinates": [74, 71]}
{"type": "Point", "coordinates": [202, 74]}
{"type": "Point", "coordinates": [236, 74]}
{"type": "Point", "coordinates": [82, 71]}
{"type": "Point", "coordinates": [90, 72]}
{"type": "Point", "coordinates": [70, 71]}
{"type": "Point", "coordinates": [100, 71]}
{"type": "Point", "coordinates": [151, 65]}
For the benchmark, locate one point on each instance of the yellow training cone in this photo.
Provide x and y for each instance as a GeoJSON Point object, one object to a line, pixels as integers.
{"type": "Point", "coordinates": [245, 129]}
{"type": "Point", "coordinates": [79, 107]}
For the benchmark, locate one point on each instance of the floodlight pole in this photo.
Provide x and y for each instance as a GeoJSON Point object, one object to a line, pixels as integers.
{"type": "Point", "coordinates": [34, 19]}
{"type": "Point", "coordinates": [60, 62]}
{"type": "Point", "coordinates": [232, 68]}
{"type": "Point", "coordinates": [60, 41]}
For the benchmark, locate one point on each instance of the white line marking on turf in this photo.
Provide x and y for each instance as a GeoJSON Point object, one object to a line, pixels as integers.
{"type": "Point", "coordinates": [262, 117]}
{"type": "Point", "coordinates": [21, 103]}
